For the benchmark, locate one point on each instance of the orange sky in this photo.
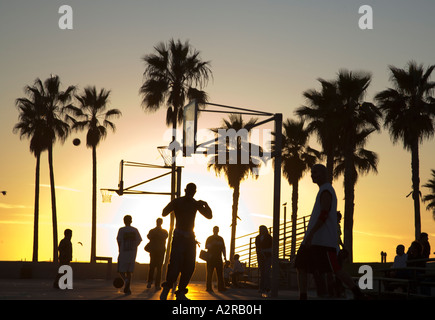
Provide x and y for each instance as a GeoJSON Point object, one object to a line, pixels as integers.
{"type": "Point", "coordinates": [263, 57]}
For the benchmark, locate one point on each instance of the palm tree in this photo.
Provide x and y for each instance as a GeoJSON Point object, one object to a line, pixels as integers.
{"type": "Point", "coordinates": [430, 198]}
{"type": "Point", "coordinates": [96, 119]}
{"type": "Point", "coordinates": [53, 101]}
{"type": "Point", "coordinates": [297, 159]}
{"type": "Point", "coordinates": [32, 125]}
{"type": "Point", "coordinates": [409, 110]}
{"type": "Point", "coordinates": [324, 119]}
{"type": "Point", "coordinates": [235, 170]}
{"type": "Point", "coordinates": [173, 74]}
{"type": "Point", "coordinates": [359, 120]}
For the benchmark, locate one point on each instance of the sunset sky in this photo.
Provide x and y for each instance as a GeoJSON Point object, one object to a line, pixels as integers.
{"type": "Point", "coordinates": [263, 55]}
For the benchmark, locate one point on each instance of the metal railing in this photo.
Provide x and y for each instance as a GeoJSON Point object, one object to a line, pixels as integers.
{"type": "Point", "coordinates": [288, 243]}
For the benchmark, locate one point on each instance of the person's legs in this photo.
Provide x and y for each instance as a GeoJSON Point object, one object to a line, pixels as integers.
{"type": "Point", "coordinates": [159, 263]}
{"type": "Point", "coordinates": [210, 269]}
{"type": "Point", "coordinates": [127, 283]}
{"type": "Point", "coordinates": [174, 266]}
{"type": "Point", "coordinates": [151, 270]}
{"type": "Point", "coordinates": [187, 268]}
{"type": "Point", "coordinates": [220, 276]}
{"type": "Point", "coordinates": [302, 283]}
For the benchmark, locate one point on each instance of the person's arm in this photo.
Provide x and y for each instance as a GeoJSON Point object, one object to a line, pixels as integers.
{"type": "Point", "coordinates": [204, 209]}
{"type": "Point", "coordinates": [168, 209]}
{"type": "Point", "coordinates": [325, 206]}
{"type": "Point", "coordinates": [224, 250]}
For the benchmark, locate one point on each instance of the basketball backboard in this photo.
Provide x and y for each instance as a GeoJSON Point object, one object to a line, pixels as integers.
{"type": "Point", "coordinates": [190, 127]}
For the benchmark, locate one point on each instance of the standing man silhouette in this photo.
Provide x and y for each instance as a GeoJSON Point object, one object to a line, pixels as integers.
{"type": "Point", "coordinates": [263, 247]}
{"type": "Point", "coordinates": [318, 251]}
{"type": "Point", "coordinates": [157, 237]}
{"type": "Point", "coordinates": [216, 248]}
{"type": "Point", "coordinates": [183, 249]}
{"type": "Point", "coordinates": [128, 239]}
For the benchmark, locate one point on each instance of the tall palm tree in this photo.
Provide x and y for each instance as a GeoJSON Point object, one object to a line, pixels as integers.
{"type": "Point", "coordinates": [359, 120]}
{"type": "Point", "coordinates": [297, 159]}
{"type": "Point", "coordinates": [92, 114]}
{"type": "Point", "coordinates": [409, 110]}
{"type": "Point", "coordinates": [235, 170]}
{"type": "Point", "coordinates": [430, 198]}
{"type": "Point", "coordinates": [54, 101]}
{"type": "Point", "coordinates": [174, 73]}
{"type": "Point", "coordinates": [32, 125]}
{"type": "Point", "coordinates": [324, 118]}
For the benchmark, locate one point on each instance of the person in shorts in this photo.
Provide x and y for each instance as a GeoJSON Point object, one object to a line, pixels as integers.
{"type": "Point", "coordinates": [318, 251]}
{"type": "Point", "coordinates": [128, 239]}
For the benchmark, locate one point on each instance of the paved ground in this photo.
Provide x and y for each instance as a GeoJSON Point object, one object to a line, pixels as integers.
{"type": "Point", "coordinates": [40, 289]}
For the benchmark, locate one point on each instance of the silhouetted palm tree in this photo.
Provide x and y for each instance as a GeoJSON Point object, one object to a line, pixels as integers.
{"type": "Point", "coordinates": [174, 73]}
{"type": "Point", "coordinates": [32, 125]}
{"type": "Point", "coordinates": [409, 111]}
{"type": "Point", "coordinates": [324, 119]}
{"type": "Point", "coordinates": [297, 159]}
{"type": "Point", "coordinates": [430, 198]}
{"type": "Point", "coordinates": [92, 114]}
{"type": "Point", "coordinates": [234, 169]}
{"type": "Point", "coordinates": [359, 120]}
{"type": "Point", "coordinates": [54, 101]}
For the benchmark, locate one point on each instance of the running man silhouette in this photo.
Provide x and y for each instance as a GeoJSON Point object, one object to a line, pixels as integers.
{"type": "Point", "coordinates": [183, 249]}
{"type": "Point", "coordinates": [128, 239]}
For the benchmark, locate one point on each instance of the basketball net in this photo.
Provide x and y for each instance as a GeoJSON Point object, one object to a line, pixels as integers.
{"type": "Point", "coordinates": [106, 195]}
{"type": "Point", "coordinates": [166, 155]}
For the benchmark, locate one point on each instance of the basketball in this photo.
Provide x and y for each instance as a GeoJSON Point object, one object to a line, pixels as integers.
{"type": "Point", "coordinates": [118, 282]}
{"type": "Point", "coordinates": [76, 141]}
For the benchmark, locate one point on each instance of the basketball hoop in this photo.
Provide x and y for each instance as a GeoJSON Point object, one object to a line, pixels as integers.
{"type": "Point", "coordinates": [166, 155]}
{"type": "Point", "coordinates": [106, 195]}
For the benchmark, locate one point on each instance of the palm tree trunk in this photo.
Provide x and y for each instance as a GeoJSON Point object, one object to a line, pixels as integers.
{"type": "Point", "coordinates": [53, 203]}
{"type": "Point", "coordinates": [173, 185]}
{"type": "Point", "coordinates": [295, 196]}
{"type": "Point", "coordinates": [415, 166]}
{"type": "Point", "coordinates": [330, 164]}
{"type": "Point", "coordinates": [349, 198]}
{"type": "Point", "coordinates": [236, 194]}
{"type": "Point", "coordinates": [36, 209]}
{"type": "Point", "coordinates": [94, 206]}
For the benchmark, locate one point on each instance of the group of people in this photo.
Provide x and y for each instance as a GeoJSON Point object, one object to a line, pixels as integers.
{"type": "Point", "coordinates": [413, 257]}
{"type": "Point", "coordinates": [318, 253]}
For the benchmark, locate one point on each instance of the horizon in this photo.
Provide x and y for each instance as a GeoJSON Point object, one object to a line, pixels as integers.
{"type": "Point", "coordinates": [263, 56]}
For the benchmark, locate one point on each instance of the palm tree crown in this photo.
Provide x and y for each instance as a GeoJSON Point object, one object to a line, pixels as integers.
{"type": "Point", "coordinates": [172, 75]}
